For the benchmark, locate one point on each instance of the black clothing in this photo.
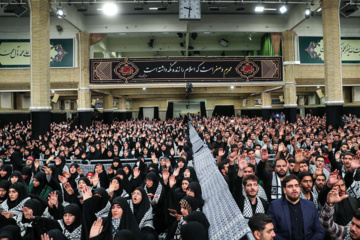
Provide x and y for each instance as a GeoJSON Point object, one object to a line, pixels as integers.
{"type": "Point", "coordinates": [297, 223]}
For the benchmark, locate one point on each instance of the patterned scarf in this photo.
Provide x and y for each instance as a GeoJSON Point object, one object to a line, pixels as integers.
{"type": "Point", "coordinates": [156, 195]}
{"type": "Point", "coordinates": [115, 223]}
{"type": "Point", "coordinates": [23, 226]}
{"type": "Point", "coordinates": [104, 212]}
{"type": "Point", "coordinates": [276, 191]}
{"type": "Point", "coordinates": [177, 235]}
{"type": "Point", "coordinates": [147, 220]}
{"type": "Point", "coordinates": [17, 210]}
{"type": "Point", "coordinates": [247, 212]}
{"type": "Point", "coordinates": [261, 193]}
{"type": "Point", "coordinates": [74, 235]}
{"type": "Point", "coordinates": [314, 197]}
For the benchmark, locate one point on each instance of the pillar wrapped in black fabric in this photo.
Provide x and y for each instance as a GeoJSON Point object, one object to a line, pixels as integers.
{"type": "Point", "coordinates": [141, 113]}
{"type": "Point", "coordinates": [170, 110]}
{"type": "Point", "coordinates": [334, 115]}
{"type": "Point", "coordinates": [202, 109]}
{"type": "Point", "coordinates": [224, 110]}
{"type": "Point", "coordinates": [266, 114]}
{"type": "Point", "coordinates": [108, 117]}
{"type": "Point", "coordinates": [156, 113]}
{"type": "Point", "coordinates": [40, 123]}
{"type": "Point", "coordinates": [85, 118]}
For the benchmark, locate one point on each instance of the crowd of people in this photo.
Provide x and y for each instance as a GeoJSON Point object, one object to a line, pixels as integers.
{"type": "Point", "coordinates": [290, 180]}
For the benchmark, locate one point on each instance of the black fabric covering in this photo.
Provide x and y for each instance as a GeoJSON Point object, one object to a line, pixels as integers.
{"type": "Point", "coordinates": [156, 113]}
{"type": "Point", "coordinates": [202, 109]}
{"type": "Point", "coordinates": [12, 232]}
{"type": "Point", "coordinates": [141, 113]}
{"type": "Point", "coordinates": [193, 231]}
{"type": "Point", "coordinates": [224, 110]}
{"type": "Point", "coordinates": [170, 110]}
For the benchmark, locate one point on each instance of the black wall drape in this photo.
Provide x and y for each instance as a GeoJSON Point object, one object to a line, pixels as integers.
{"type": "Point", "coordinates": [224, 110]}
{"type": "Point", "coordinates": [141, 113]}
{"type": "Point", "coordinates": [156, 113]}
{"type": "Point", "coordinates": [170, 110]}
{"type": "Point", "coordinates": [202, 109]}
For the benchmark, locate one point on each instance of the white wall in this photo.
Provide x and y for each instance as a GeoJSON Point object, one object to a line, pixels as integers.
{"type": "Point", "coordinates": [6, 100]}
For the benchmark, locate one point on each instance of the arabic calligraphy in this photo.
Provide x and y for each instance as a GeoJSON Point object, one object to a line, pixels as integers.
{"type": "Point", "coordinates": [18, 51]}
{"type": "Point", "coordinates": [199, 68]}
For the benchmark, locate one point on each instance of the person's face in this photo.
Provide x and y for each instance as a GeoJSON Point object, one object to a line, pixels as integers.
{"type": "Point", "coordinates": [251, 188]}
{"type": "Point", "coordinates": [3, 173]}
{"type": "Point", "coordinates": [267, 234]}
{"type": "Point", "coordinates": [347, 161]}
{"type": "Point", "coordinates": [116, 211]}
{"type": "Point", "coordinates": [116, 184]}
{"type": "Point", "coordinates": [251, 154]}
{"type": "Point", "coordinates": [292, 190]}
{"type": "Point", "coordinates": [149, 183]}
{"type": "Point", "coordinates": [126, 170]}
{"type": "Point", "coordinates": [249, 143]}
{"type": "Point", "coordinates": [136, 197]}
{"type": "Point", "coordinates": [320, 162]}
{"type": "Point", "coordinates": [82, 185]}
{"type": "Point", "coordinates": [14, 179]}
{"type": "Point", "coordinates": [320, 182]}
{"type": "Point", "coordinates": [190, 192]}
{"type": "Point", "coordinates": [303, 167]}
{"type": "Point", "coordinates": [306, 184]}
{"type": "Point", "coordinates": [68, 219]}
{"type": "Point", "coordinates": [344, 148]}
{"type": "Point", "coordinates": [248, 171]}
{"type": "Point", "coordinates": [355, 229]}
{"type": "Point", "coordinates": [57, 161]}
{"type": "Point", "coordinates": [145, 151]}
{"type": "Point", "coordinates": [183, 210]}
{"type": "Point", "coordinates": [281, 168]}
{"type": "Point", "coordinates": [2, 192]}
{"type": "Point", "coordinates": [28, 162]}
{"type": "Point", "coordinates": [187, 173]}
{"type": "Point", "coordinates": [90, 178]}
{"type": "Point", "coordinates": [181, 164]}
{"type": "Point", "coordinates": [28, 212]}
{"type": "Point", "coordinates": [13, 194]}
{"type": "Point", "coordinates": [291, 166]}
{"type": "Point", "coordinates": [184, 185]}
{"type": "Point", "coordinates": [226, 169]}
{"type": "Point", "coordinates": [342, 187]}
{"type": "Point", "coordinates": [73, 169]}
{"type": "Point", "coordinates": [36, 182]}
{"type": "Point", "coordinates": [115, 164]}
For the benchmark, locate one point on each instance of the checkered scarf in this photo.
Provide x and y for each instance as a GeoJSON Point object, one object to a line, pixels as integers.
{"type": "Point", "coordinates": [74, 235]}
{"type": "Point", "coordinates": [276, 191]}
{"type": "Point", "coordinates": [104, 212]}
{"type": "Point", "coordinates": [247, 212]}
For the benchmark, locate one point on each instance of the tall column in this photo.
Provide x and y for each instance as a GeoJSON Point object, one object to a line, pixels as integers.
{"type": "Point", "coordinates": [332, 61]}
{"type": "Point", "coordinates": [289, 79]}
{"type": "Point", "coordinates": [84, 94]}
{"type": "Point", "coordinates": [40, 66]}
{"type": "Point", "coordinates": [251, 106]}
{"type": "Point", "coordinates": [108, 111]}
{"type": "Point", "coordinates": [266, 105]}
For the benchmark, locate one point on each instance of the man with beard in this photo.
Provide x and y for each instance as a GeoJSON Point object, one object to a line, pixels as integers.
{"type": "Point", "coordinates": [319, 184]}
{"type": "Point", "coordinates": [272, 181]}
{"type": "Point", "coordinates": [306, 184]}
{"type": "Point", "coordinates": [295, 218]}
{"type": "Point", "coordinates": [249, 203]}
{"type": "Point", "coordinates": [262, 227]}
{"type": "Point", "coordinates": [337, 231]}
{"type": "Point", "coordinates": [343, 210]}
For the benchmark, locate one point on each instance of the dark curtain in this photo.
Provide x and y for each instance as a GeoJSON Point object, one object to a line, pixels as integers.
{"type": "Point", "coordinates": [224, 110]}
{"type": "Point", "coordinates": [170, 110]}
{"type": "Point", "coordinates": [203, 109]}
{"type": "Point", "coordinates": [141, 113]}
{"type": "Point", "coordinates": [156, 113]}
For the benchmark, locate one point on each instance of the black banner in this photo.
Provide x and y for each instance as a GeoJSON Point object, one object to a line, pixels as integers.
{"type": "Point", "coordinates": [178, 70]}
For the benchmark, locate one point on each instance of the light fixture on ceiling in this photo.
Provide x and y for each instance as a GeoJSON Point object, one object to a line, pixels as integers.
{"type": "Point", "coordinates": [283, 9]}
{"type": "Point", "coordinates": [60, 11]}
{"type": "Point", "coordinates": [232, 87]}
{"type": "Point", "coordinates": [307, 12]}
{"type": "Point", "coordinates": [319, 10]}
{"type": "Point", "coordinates": [161, 8]}
{"type": "Point", "coordinates": [259, 8]}
{"type": "Point", "coordinates": [110, 9]}
{"type": "Point", "coordinates": [144, 88]}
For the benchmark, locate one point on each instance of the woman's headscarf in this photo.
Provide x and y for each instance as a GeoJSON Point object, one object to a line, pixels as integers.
{"type": "Point", "coordinates": [124, 235]}
{"type": "Point", "coordinates": [192, 174]}
{"type": "Point", "coordinates": [130, 172]}
{"type": "Point", "coordinates": [196, 188]}
{"type": "Point", "coordinates": [152, 176]}
{"type": "Point", "coordinates": [26, 171]}
{"type": "Point", "coordinates": [34, 205]}
{"type": "Point", "coordinates": [59, 168]}
{"type": "Point", "coordinates": [141, 208]}
{"type": "Point", "coordinates": [18, 175]}
{"type": "Point", "coordinates": [22, 191]}
{"type": "Point", "coordinates": [5, 185]}
{"type": "Point", "coordinates": [73, 209]}
{"type": "Point", "coordinates": [56, 234]}
{"type": "Point", "coordinates": [116, 159]}
{"type": "Point", "coordinates": [100, 201]}
{"type": "Point", "coordinates": [193, 231]}
{"type": "Point", "coordinates": [117, 193]}
{"type": "Point", "coordinates": [125, 181]}
{"type": "Point", "coordinates": [8, 169]}
{"type": "Point", "coordinates": [41, 177]}
{"type": "Point", "coordinates": [190, 203]}
{"type": "Point", "coordinates": [10, 232]}
{"type": "Point", "coordinates": [199, 217]}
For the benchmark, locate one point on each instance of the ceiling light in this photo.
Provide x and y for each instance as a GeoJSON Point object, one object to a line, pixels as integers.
{"type": "Point", "coordinates": [319, 10]}
{"type": "Point", "coordinates": [60, 11]}
{"type": "Point", "coordinates": [144, 88]}
{"type": "Point", "coordinates": [232, 87]}
{"type": "Point", "coordinates": [259, 8]}
{"type": "Point", "coordinates": [307, 12]}
{"type": "Point", "coordinates": [110, 9]}
{"type": "Point", "coordinates": [161, 8]}
{"type": "Point", "coordinates": [283, 9]}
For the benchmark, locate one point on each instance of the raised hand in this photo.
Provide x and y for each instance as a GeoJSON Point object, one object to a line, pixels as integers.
{"type": "Point", "coordinates": [96, 179]}
{"type": "Point", "coordinates": [87, 193]}
{"type": "Point", "coordinates": [53, 200]}
{"type": "Point", "coordinates": [36, 163]}
{"type": "Point", "coordinates": [45, 236]}
{"type": "Point", "coordinates": [110, 170]}
{"type": "Point", "coordinates": [172, 152]}
{"type": "Point", "coordinates": [68, 188]}
{"type": "Point", "coordinates": [299, 156]}
{"type": "Point", "coordinates": [221, 152]}
{"type": "Point", "coordinates": [66, 174]}
{"type": "Point", "coordinates": [136, 172]}
{"type": "Point", "coordinates": [176, 172]}
{"type": "Point", "coordinates": [319, 171]}
{"type": "Point", "coordinates": [165, 174]}
{"type": "Point", "coordinates": [333, 196]}
{"type": "Point", "coordinates": [172, 181]}
{"type": "Point", "coordinates": [79, 171]}
{"type": "Point", "coordinates": [62, 179]}
{"type": "Point", "coordinates": [46, 170]}
{"type": "Point", "coordinates": [242, 162]}
{"type": "Point", "coordinates": [96, 228]}
{"type": "Point", "coordinates": [355, 164]}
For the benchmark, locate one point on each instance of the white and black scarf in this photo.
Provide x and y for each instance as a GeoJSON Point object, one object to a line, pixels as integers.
{"type": "Point", "coordinates": [23, 226]}
{"type": "Point", "coordinates": [104, 212]}
{"type": "Point", "coordinates": [147, 220]}
{"type": "Point", "coordinates": [247, 212]}
{"type": "Point", "coordinates": [177, 234]}
{"type": "Point", "coordinates": [17, 210]}
{"type": "Point", "coordinates": [314, 197]}
{"type": "Point", "coordinates": [115, 224]}
{"type": "Point", "coordinates": [276, 191]}
{"type": "Point", "coordinates": [74, 235]}
{"type": "Point", "coordinates": [157, 194]}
